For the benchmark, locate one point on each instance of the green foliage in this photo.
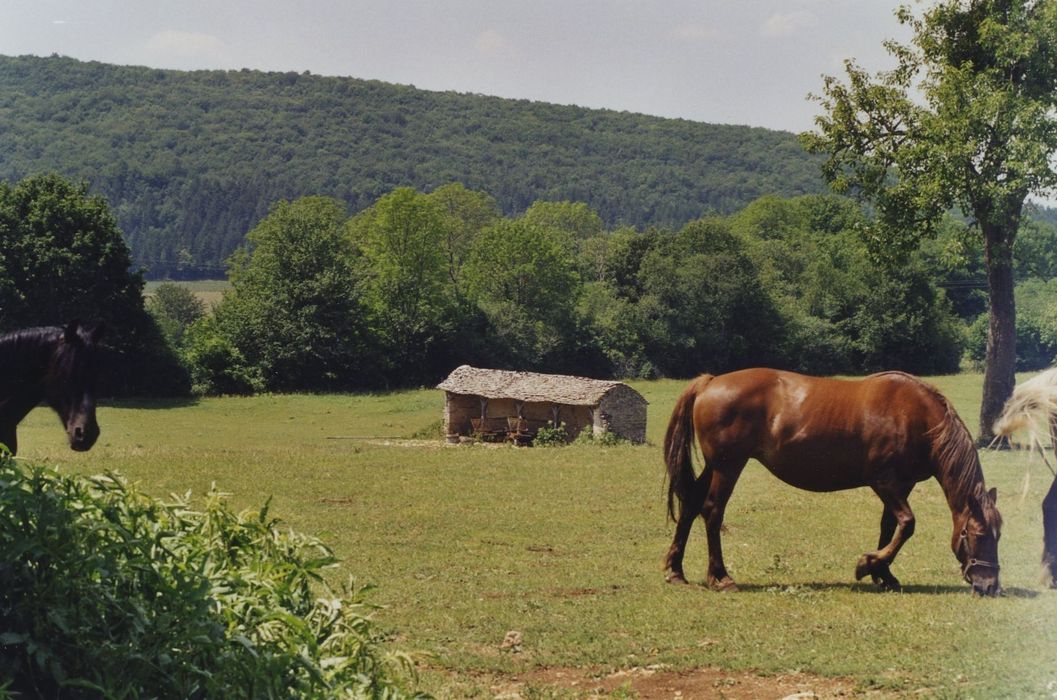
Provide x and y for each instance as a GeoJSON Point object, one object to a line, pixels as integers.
{"type": "Point", "coordinates": [1036, 327]}
{"type": "Point", "coordinates": [523, 277]}
{"type": "Point", "coordinates": [902, 323]}
{"type": "Point", "coordinates": [410, 248]}
{"type": "Point", "coordinates": [616, 328]}
{"type": "Point", "coordinates": [62, 257]}
{"type": "Point", "coordinates": [574, 219]}
{"type": "Point", "coordinates": [105, 592]}
{"type": "Point", "coordinates": [423, 283]}
{"type": "Point", "coordinates": [603, 439]}
{"type": "Point", "coordinates": [551, 436]}
{"type": "Point", "coordinates": [174, 308]}
{"type": "Point", "coordinates": [464, 214]}
{"type": "Point", "coordinates": [1035, 251]}
{"type": "Point", "coordinates": [295, 312]}
{"type": "Point", "coordinates": [702, 307]}
{"type": "Point", "coordinates": [192, 160]}
{"type": "Point", "coordinates": [981, 141]}
{"type": "Point", "coordinates": [216, 365]}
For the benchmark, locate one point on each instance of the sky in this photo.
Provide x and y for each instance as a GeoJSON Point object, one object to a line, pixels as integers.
{"type": "Point", "coordinates": [719, 61]}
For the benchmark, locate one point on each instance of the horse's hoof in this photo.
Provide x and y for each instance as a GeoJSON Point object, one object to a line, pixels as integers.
{"type": "Point", "coordinates": [883, 578]}
{"type": "Point", "coordinates": [889, 585]}
{"type": "Point", "coordinates": [864, 567]}
{"type": "Point", "coordinates": [676, 577]}
{"type": "Point", "coordinates": [724, 585]}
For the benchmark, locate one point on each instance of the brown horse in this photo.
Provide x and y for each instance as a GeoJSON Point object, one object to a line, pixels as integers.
{"type": "Point", "coordinates": [887, 431]}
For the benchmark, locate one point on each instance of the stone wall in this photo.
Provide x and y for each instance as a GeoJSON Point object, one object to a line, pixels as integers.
{"type": "Point", "coordinates": [623, 413]}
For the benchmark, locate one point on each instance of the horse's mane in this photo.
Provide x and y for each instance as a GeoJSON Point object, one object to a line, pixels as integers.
{"type": "Point", "coordinates": [13, 345]}
{"type": "Point", "coordinates": [1032, 406]}
{"type": "Point", "coordinates": [955, 456]}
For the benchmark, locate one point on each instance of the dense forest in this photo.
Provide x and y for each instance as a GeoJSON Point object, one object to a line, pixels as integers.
{"type": "Point", "coordinates": [191, 161]}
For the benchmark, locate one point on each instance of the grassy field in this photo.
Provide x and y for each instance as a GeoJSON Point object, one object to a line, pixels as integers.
{"type": "Point", "coordinates": [209, 291]}
{"type": "Point", "coordinates": [565, 545]}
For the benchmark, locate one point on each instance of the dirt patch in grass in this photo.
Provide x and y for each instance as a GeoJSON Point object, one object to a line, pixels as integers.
{"type": "Point", "coordinates": [401, 442]}
{"type": "Point", "coordinates": [657, 682]}
{"type": "Point", "coordinates": [347, 501]}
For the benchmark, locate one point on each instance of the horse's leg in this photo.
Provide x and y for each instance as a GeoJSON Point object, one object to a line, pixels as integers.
{"type": "Point", "coordinates": [897, 526]}
{"type": "Point", "coordinates": [1049, 534]}
{"type": "Point", "coordinates": [882, 575]}
{"type": "Point", "coordinates": [724, 478]}
{"type": "Point", "coordinates": [688, 512]}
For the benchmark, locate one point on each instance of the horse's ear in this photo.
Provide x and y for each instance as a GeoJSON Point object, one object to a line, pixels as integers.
{"type": "Point", "coordinates": [97, 333]}
{"type": "Point", "coordinates": [69, 334]}
{"type": "Point", "coordinates": [993, 493]}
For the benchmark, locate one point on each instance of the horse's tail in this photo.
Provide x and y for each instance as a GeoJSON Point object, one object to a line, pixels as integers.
{"type": "Point", "coordinates": [1032, 405]}
{"type": "Point", "coordinates": [679, 444]}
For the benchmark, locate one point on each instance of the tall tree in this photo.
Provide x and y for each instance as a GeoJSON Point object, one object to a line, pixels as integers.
{"type": "Point", "coordinates": [294, 313]}
{"type": "Point", "coordinates": [464, 213]}
{"type": "Point", "coordinates": [523, 277]}
{"type": "Point", "coordinates": [965, 120]}
{"type": "Point", "coordinates": [62, 257]}
{"type": "Point", "coordinates": [407, 286]}
{"type": "Point", "coordinates": [576, 219]}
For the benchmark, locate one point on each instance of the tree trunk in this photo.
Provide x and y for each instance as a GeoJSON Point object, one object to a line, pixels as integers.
{"type": "Point", "coordinates": [1001, 358]}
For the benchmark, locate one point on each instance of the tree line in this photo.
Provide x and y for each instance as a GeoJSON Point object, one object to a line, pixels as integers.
{"type": "Point", "coordinates": [190, 161]}
{"type": "Point", "coordinates": [418, 283]}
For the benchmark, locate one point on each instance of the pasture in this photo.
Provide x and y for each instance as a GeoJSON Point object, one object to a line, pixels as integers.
{"type": "Point", "coordinates": [565, 545]}
{"type": "Point", "coordinates": [209, 292]}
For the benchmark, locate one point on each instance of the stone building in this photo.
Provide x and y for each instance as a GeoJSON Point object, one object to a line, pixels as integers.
{"type": "Point", "coordinates": [498, 404]}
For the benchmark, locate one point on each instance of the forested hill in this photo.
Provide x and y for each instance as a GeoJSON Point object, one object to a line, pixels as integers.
{"type": "Point", "coordinates": [190, 161]}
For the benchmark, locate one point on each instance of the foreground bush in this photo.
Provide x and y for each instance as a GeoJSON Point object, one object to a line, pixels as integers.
{"type": "Point", "coordinates": [105, 592]}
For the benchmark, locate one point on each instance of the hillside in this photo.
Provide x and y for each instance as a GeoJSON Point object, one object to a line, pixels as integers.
{"type": "Point", "coordinates": [190, 161]}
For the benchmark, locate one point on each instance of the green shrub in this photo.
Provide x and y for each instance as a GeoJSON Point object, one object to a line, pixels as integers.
{"type": "Point", "coordinates": [217, 366]}
{"type": "Point", "coordinates": [604, 439]}
{"type": "Point", "coordinates": [105, 592]}
{"type": "Point", "coordinates": [1036, 328]}
{"type": "Point", "coordinates": [551, 436]}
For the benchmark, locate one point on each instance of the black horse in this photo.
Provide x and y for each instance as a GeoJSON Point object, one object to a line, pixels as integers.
{"type": "Point", "coordinates": [53, 364]}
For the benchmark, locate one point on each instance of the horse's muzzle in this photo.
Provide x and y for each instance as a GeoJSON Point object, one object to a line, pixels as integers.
{"type": "Point", "coordinates": [83, 437]}
{"type": "Point", "coordinates": [988, 587]}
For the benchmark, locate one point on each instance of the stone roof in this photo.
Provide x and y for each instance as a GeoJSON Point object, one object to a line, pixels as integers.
{"type": "Point", "coordinates": [528, 386]}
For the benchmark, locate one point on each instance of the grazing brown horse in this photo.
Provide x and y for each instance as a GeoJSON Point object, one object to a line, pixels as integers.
{"type": "Point", "coordinates": [887, 431]}
{"type": "Point", "coordinates": [52, 364]}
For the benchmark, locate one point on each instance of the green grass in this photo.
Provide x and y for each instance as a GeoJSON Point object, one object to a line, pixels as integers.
{"type": "Point", "coordinates": [565, 545]}
{"type": "Point", "coordinates": [209, 291]}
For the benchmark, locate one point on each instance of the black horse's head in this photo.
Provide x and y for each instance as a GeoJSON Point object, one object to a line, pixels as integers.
{"type": "Point", "coordinates": [70, 383]}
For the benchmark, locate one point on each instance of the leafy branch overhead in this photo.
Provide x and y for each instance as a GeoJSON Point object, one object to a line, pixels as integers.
{"type": "Point", "coordinates": [966, 119]}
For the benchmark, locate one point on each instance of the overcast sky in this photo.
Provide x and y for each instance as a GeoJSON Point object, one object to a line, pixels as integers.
{"type": "Point", "coordinates": [721, 61]}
